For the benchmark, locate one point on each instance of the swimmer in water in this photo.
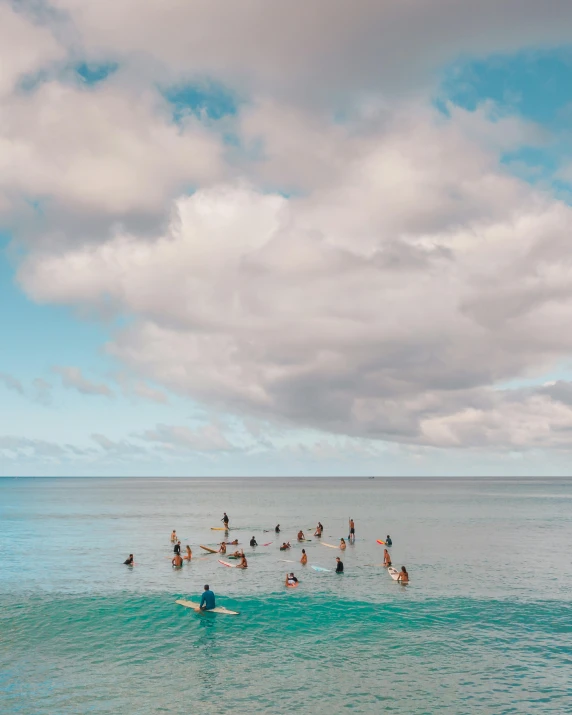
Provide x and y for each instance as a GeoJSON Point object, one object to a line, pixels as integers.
{"type": "Point", "coordinates": [177, 547]}
{"type": "Point", "coordinates": [342, 544]}
{"type": "Point", "coordinates": [304, 559]}
{"type": "Point", "coordinates": [285, 546]}
{"type": "Point", "coordinates": [301, 536]}
{"type": "Point", "coordinates": [388, 540]}
{"type": "Point", "coordinates": [189, 555]}
{"type": "Point", "coordinates": [129, 561]}
{"type": "Point", "coordinates": [231, 543]}
{"type": "Point", "coordinates": [291, 580]}
{"type": "Point", "coordinates": [319, 530]}
{"type": "Point", "coordinates": [177, 561]}
{"type": "Point", "coordinates": [339, 565]}
{"type": "Point", "coordinates": [352, 536]}
{"type": "Point", "coordinates": [222, 549]}
{"type": "Point", "coordinates": [277, 529]}
{"type": "Point", "coordinates": [403, 576]}
{"type": "Point", "coordinates": [253, 542]}
{"type": "Point", "coordinates": [386, 558]}
{"type": "Point", "coordinates": [173, 536]}
{"type": "Point", "coordinates": [243, 563]}
{"type": "Point", "coordinates": [239, 554]}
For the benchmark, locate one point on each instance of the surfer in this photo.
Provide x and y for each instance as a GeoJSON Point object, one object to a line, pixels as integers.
{"type": "Point", "coordinates": [388, 540]}
{"type": "Point", "coordinates": [339, 565]}
{"type": "Point", "coordinates": [386, 558]}
{"type": "Point", "coordinates": [238, 554]}
{"type": "Point", "coordinates": [129, 561]}
{"type": "Point", "coordinates": [173, 536]}
{"type": "Point", "coordinates": [301, 536]}
{"type": "Point", "coordinates": [277, 529]}
{"type": "Point", "coordinates": [189, 555]}
{"type": "Point", "coordinates": [177, 561]}
{"type": "Point", "coordinates": [342, 544]}
{"type": "Point", "coordinates": [304, 559]}
{"type": "Point", "coordinates": [225, 519]}
{"type": "Point", "coordinates": [352, 536]}
{"type": "Point", "coordinates": [232, 543]}
{"type": "Point", "coordinates": [291, 580]}
{"type": "Point", "coordinates": [177, 547]}
{"type": "Point", "coordinates": [207, 599]}
{"type": "Point", "coordinates": [319, 530]}
{"type": "Point", "coordinates": [222, 549]}
{"type": "Point", "coordinates": [403, 575]}
{"type": "Point", "coordinates": [243, 563]}
{"type": "Point", "coordinates": [253, 542]}
{"type": "Point", "coordinates": [285, 546]}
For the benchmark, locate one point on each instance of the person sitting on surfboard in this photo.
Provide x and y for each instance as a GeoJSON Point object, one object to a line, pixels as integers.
{"type": "Point", "coordinates": [277, 528]}
{"type": "Point", "coordinates": [243, 563]}
{"type": "Point", "coordinates": [403, 575]}
{"type": "Point", "coordinates": [388, 540]}
{"type": "Point", "coordinates": [291, 580]}
{"type": "Point", "coordinates": [285, 546]}
{"type": "Point", "coordinates": [339, 565]}
{"type": "Point", "coordinates": [173, 536]}
{"type": "Point", "coordinates": [207, 599]}
{"type": "Point", "coordinates": [301, 536]}
{"type": "Point", "coordinates": [129, 561]}
{"type": "Point", "coordinates": [177, 547]}
{"type": "Point", "coordinates": [177, 561]}
{"type": "Point", "coordinates": [225, 519]}
{"type": "Point", "coordinates": [253, 542]}
{"type": "Point", "coordinates": [304, 559]}
{"type": "Point", "coordinates": [386, 558]}
{"type": "Point", "coordinates": [222, 549]}
{"type": "Point", "coordinates": [342, 544]}
{"type": "Point", "coordinates": [189, 555]}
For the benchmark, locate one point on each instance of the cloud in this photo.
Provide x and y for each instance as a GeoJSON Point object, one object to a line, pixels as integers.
{"type": "Point", "coordinates": [73, 379]}
{"type": "Point", "coordinates": [22, 446]}
{"type": "Point", "coordinates": [11, 383]}
{"type": "Point", "coordinates": [208, 438]}
{"type": "Point", "coordinates": [116, 448]}
{"type": "Point", "coordinates": [42, 391]}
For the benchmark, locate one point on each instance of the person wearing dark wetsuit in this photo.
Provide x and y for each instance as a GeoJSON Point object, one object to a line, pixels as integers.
{"type": "Point", "coordinates": [129, 561]}
{"type": "Point", "coordinates": [277, 529]}
{"type": "Point", "coordinates": [225, 520]}
{"type": "Point", "coordinates": [253, 542]}
{"type": "Point", "coordinates": [207, 599]}
{"type": "Point", "coordinates": [177, 548]}
{"type": "Point", "coordinates": [339, 566]}
{"type": "Point", "coordinates": [388, 541]}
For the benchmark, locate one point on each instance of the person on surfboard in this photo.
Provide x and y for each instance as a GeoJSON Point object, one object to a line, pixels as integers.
{"type": "Point", "coordinates": [207, 599]}
{"type": "Point", "coordinates": [388, 541]}
{"type": "Point", "coordinates": [232, 543]}
{"type": "Point", "coordinates": [301, 536]}
{"type": "Point", "coordinates": [225, 520]}
{"type": "Point", "coordinates": [222, 549]}
{"type": "Point", "coordinates": [177, 547]}
{"type": "Point", "coordinates": [285, 546]}
{"type": "Point", "coordinates": [177, 561]}
{"type": "Point", "coordinates": [243, 563]}
{"type": "Point", "coordinates": [342, 544]}
{"type": "Point", "coordinates": [189, 555]}
{"type": "Point", "coordinates": [304, 559]}
{"type": "Point", "coordinates": [386, 558]}
{"type": "Point", "coordinates": [339, 565]}
{"type": "Point", "coordinates": [403, 575]}
{"type": "Point", "coordinates": [291, 580]}
{"type": "Point", "coordinates": [129, 561]}
{"type": "Point", "coordinates": [253, 542]}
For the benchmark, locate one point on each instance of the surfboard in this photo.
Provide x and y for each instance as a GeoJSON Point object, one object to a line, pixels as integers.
{"type": "Point", "coordinates": [225, 563]}
{"type": "Point", "coordinates": [220, 528]}
{"type": "Point", "coordinates": [379, 541]}
{"type": "Point", "coordinates": [287, 561]}
{"type": "Point", "coordinates": [196, 607]}
{"type": "Point", "coordinates": [331, 546]}
{"type": "Point", "coordinates": [393, 572]}
{"type": "Point", "coordinates": [320, 568]}
{"type": "Point", "coordinates": [268, 544]}
{"type": "Point", "coordinates": [208, 548]}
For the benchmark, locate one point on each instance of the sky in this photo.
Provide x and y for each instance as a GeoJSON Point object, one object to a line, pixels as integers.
{"type": "Point", "coordinates": [262, 238]}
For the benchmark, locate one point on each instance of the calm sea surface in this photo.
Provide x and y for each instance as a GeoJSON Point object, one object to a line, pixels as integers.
{"type": "Point", "coordinates": [484, 627]}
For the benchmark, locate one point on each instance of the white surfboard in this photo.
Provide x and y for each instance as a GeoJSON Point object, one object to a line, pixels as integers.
{"type": "Point", "coordinates": [225, 563]}
{"type": "Point", "coordinates": [393, 572]}
{"type": "Point", "coordinates": [196, 607]}
{"type": "Point", "coordinates": [208, 548]}
{"type": "Point", "coordinates": [320, 568]}
{"type": "Point", "coordinates": [330, 546]}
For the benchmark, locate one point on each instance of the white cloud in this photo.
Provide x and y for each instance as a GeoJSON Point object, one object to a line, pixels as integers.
{"type": "Point", "coordinates": [11, 383]}
{"type": "Point", "coordinates": [73, 379]}
{"type": "Point", "coordinates": [385, 303]}
{"type": "Point", "coordinates": [207, 438]}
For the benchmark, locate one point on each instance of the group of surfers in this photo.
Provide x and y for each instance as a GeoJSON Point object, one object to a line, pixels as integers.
{"type": "Point", "coordinates": [291, 580]}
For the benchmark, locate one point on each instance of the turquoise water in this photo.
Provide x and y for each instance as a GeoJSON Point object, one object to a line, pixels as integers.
{"type": "Point", "coordinates": [484, 627]}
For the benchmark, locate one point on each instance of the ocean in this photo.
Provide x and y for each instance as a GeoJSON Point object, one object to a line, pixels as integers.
{"type": "Point", "coordinates": [485, 625]}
